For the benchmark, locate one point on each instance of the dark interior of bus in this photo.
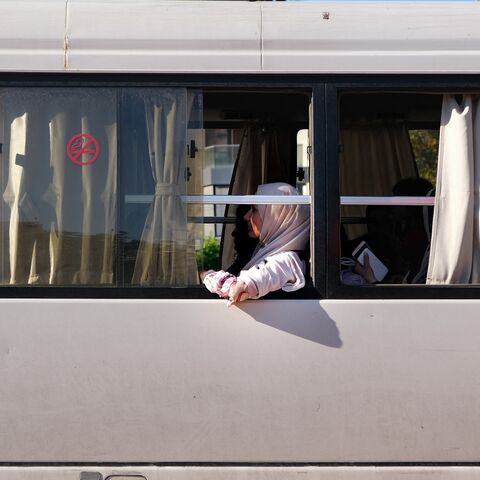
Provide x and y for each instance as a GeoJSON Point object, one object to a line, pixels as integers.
{"type": "Point", "coordinates": [388, 147]}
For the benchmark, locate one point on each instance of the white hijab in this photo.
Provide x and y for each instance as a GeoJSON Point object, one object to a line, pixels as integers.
{"type": "Point", "coordinates": [285, 228]}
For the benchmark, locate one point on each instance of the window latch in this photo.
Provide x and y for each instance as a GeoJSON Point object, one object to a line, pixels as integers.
{"type": "Point", "coordinates": [192, 149]}
{"type": "Point", "coordinates": [301, 174]}
{"type": "Point", "coordinates": [188, 174]}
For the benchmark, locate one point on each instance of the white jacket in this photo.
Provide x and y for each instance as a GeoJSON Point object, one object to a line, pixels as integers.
{"type": "Point", "coordinates": [284, 270]}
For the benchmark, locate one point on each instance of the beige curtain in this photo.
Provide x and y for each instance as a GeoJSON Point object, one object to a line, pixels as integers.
{"type": "Point", "coordinates": [84, 197]}
{"type": "Point", "coordinates": [264, 156]}
{"type": "Point", "coordinates": [27, 149]}
{"type": "Point", "coordinates": [373, 158]}
{"type": "Point", "coordinates": [455, 245]}
{"type": "Point", "coordinates": [165, 256]}
{"type": "Point", "coordinates": [62, 215]}
{"type": "Point", "coordinates": [4, 210]}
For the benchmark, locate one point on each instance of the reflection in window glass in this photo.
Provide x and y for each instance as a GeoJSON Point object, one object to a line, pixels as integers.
{"type": "Point", "coordinates": [59, 161]}
{"type": "Point", "coordinates": [59, 181]}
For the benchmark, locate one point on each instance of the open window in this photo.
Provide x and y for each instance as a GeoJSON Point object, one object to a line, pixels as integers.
{"type": "Point", "coordinates": [408, 179]}
{"type": "Point", "coordinates": [264, 126]}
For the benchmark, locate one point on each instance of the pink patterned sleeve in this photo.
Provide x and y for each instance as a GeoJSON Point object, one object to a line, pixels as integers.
{"type": "Point", "coordinates": [219, 282]}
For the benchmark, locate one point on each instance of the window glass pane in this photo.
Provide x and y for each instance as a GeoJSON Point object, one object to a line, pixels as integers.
{"type": "Point", "coordinates": [59, 167]}
{"type": "Point", "coordinates": [158, 245]}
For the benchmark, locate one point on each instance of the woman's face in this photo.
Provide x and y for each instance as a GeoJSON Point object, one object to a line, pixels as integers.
{"type": "Point", "coordinates": [254, 222]}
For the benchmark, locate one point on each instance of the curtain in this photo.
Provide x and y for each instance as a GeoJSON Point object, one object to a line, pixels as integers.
{"type": "Point", "coordinates": [84, 197]}
{"type": "Point", "coordinates": [455, 245]}
{"type": "Point", "coordinates": [373, 158]}
{"type": "Point", "coordinates": [27, 149]}
{"type": "Point", "coordinates": [165, 255]}
{"type": "Point", "coordinates": [62, 215]}
{"type": "Point", "coordinates": [264, 156]}
{"type": "Point", "coordinates": [4, 210]}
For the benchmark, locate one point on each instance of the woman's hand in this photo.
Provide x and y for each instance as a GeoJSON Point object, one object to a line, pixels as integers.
{"type": "Point", "coordinates": [238, 292]}
{"type": "Point", "coordinates": [366, 270]}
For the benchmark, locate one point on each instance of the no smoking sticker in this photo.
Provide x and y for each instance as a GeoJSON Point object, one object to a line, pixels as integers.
{"type": "Point", "coordinates": [83, 149]}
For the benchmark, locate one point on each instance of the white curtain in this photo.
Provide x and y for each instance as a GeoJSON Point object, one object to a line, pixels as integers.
{"type": "Point", "coordinates": [455, 244]}
{"type": "Point", "coordinates": [165, 255]}
{"type": "Point", "coordinates": [62, 215]}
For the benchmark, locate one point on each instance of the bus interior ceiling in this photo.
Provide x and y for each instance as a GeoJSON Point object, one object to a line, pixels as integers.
{"type": "Point", "coordinates": [234, 108]}
{"type": "Point", "coordinates": [417, 110]}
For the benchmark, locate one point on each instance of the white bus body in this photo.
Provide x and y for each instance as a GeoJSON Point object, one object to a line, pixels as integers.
{"type": "Point", "coordinates": [273, 389]}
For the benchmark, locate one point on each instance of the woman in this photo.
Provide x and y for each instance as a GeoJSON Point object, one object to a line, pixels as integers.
{"type": "Point", "coordinates": [282, 232]}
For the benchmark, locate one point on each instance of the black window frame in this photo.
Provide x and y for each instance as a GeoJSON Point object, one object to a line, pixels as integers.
{"type": "Point", "coordinates": [335, 87]}
{"type": "Point", "coordinates": [308, 83]}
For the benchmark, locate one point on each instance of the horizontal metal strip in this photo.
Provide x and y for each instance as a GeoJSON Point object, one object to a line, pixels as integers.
{"type": "Point", "coordinates": [285, 200]}
{"type": "Point", "coordinates": [398, 201]}
{"type": "Point", "coordinates": [230, 199]}
{"type": "Point", "coordinates": [218, 220]}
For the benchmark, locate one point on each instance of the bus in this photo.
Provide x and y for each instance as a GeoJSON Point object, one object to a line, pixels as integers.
{"type": "Point", "coordinates": [131, 133]}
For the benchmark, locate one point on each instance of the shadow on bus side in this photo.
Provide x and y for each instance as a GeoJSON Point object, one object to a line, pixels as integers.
{"type": "Point", "coordinates": [308, 319]}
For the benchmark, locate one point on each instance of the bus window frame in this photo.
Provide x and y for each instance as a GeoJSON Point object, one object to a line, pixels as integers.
{"type": "Point", "coordinates": [313, 85]}
{"type": "Point", "coordinates": [381, 84]}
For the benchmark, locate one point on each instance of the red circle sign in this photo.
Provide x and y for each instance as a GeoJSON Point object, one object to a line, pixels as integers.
{"type": "Point", "coordinates": [83, 144]}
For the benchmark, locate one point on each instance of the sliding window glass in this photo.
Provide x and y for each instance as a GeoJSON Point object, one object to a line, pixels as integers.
{"type": "Point", "coordinates": [67, 220]}
{"type": "Point", "coordinates": [59, 185]}
{"type": "Point", "coordinates": [157, 242]}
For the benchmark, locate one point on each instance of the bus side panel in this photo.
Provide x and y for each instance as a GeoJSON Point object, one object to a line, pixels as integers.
{"type": "Point", "coordinates": [32, 36]}
{"type": "Point", "coordinates": [169, 36]}
{"type": "Point", "coordinates": [239, 473]}
{"type": "Point", "coordinates": [269, 381]}
{"type": "Point", "coordinates": [357, 37]}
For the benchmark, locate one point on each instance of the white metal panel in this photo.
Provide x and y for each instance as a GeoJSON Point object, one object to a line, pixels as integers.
{"type": "Point", "coordinates": [222, 36]}
{"type": "Point", "coordinates": [241, 473]}
{"type": "Point", "coordinates": [32, 35]}
{"type": "Point", "coordinates": [270, 381]}
{"type": "Point", "coordinates": [371, 37]}
{"type": "Point", "coordinates": [163, 36]}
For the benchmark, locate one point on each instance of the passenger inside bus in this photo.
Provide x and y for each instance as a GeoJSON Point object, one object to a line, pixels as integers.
{"type": "Point", "coordinates": [399, 236]}
{"type": "Point", "coordinates": [243, 244]}
{"type": "Point", "coordinates": [283, 232]}
{"type": "Point", "coordinates": [389, 146]}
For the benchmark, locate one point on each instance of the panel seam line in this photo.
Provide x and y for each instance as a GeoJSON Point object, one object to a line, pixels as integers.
{"type": "Point", "coordinates": [261, 36]}
{"type": "Point", "coordinates": [65, 38]}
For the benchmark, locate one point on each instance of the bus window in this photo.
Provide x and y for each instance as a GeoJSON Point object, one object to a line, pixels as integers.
{"type": "Point", "coordinates": [251, 138]}
{"type": "Point", "coordinates": [94, 180]}
{"type": "Point", "coordinates": [388, 150]}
